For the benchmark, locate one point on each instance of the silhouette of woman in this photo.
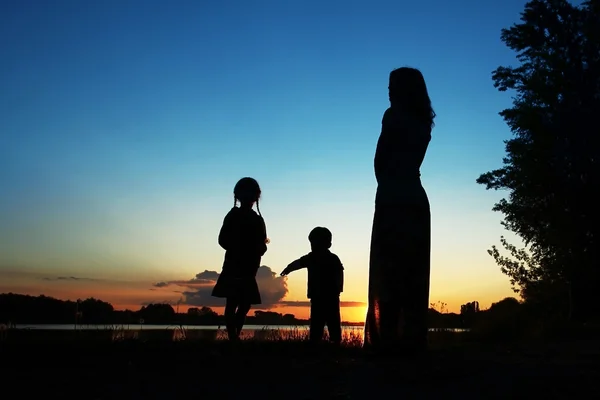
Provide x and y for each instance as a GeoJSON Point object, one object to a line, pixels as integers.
{"type": "Point", "coordinates": [399, 265]}
{"type": "Point", "coordinates": [244, 238]}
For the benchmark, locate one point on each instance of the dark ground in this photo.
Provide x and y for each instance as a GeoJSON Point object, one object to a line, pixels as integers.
{"type": "Point", "coordinates": [289, 370]}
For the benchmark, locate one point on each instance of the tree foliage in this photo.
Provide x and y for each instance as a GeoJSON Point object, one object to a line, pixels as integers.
{"type": "Point", "coordinates": [551, 163]}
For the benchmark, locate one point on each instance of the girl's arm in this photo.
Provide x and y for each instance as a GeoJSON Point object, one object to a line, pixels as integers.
{"type": "Point", "coordinates": [226, 233]}
{"type": "Point", "coordinates": [263, 238]}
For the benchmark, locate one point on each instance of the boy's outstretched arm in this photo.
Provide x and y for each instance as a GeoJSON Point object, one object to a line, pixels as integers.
{"type": "Point", "coordinates": [294, 266]}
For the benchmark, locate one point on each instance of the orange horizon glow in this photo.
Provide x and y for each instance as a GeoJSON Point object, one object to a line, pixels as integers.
{"type": "Point", "coordinates": [458, 275]}
{"type": "Point", "coordinates": [349, 314]}
{"type": "Point", "coordinates": [132, 296]}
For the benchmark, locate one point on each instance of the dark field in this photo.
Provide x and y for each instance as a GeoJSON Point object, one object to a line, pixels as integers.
{"type": "Point", "coordinates": [70, 365]}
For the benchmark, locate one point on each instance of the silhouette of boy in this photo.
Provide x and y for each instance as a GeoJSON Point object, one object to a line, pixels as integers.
{"type": "Point", "coordinates": [325, 283]}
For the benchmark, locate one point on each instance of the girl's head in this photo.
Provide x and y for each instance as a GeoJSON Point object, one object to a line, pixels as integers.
{"type": "Point", "coordinates": [246, 191]}
{"type": "Point", "coordinates": [408, 91]}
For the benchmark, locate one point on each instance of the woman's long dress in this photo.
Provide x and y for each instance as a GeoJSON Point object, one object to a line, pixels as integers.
{"type": "Point", "coordinates": [399, 265]}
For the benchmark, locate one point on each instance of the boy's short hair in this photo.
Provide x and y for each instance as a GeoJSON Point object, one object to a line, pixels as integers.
{"type": "Point", "coordinates": [320, 236]}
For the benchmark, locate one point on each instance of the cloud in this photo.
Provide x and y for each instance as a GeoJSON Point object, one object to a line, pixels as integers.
{"type": "Point", "coordinates": [273, 289]}
{"type": "Point", "coordinates": [202, 279]}
{"type": "Point", "coordinates": [198, 290]}
{"type": "Point", "coordinates": [70, 278]}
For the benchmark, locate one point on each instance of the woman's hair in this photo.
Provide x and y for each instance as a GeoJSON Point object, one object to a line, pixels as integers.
{"type": "Point", "coordinates": [247, 189]}
{"type": "Point", "coordinates": [408, 91]}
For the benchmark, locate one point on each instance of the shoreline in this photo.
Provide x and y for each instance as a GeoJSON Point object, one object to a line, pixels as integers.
{"type": "Point", "coordinates": [249, 327]}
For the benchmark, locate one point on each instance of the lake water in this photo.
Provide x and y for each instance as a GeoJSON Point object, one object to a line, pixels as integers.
{"type": "Point", "coordinates": [158, 327]}
{"type": "Point", "coordinates": [190, 331]}
{"type": "Point", "coordinates": [137, 327]}
{"type": "Point", "coordinates": [177, 332]}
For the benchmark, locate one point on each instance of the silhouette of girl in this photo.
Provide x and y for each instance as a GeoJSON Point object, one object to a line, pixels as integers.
{"type": "Point", "coordinates": [399, 265]}
{"type": "Point", "coordinates": [244, 238]}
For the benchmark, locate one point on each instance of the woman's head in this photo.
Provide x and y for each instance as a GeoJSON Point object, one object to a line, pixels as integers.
{"type": "Point", "coordinates": [246, 191]}
{"type": "Point", "coordinates": [408, 91]}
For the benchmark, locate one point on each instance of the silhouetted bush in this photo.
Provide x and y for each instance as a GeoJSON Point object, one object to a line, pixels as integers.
{"type": "Point", "coordinates": [505, 320]}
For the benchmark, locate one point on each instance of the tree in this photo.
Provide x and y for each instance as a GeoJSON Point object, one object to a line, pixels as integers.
{"type": "Point", "coordinates": [207, 311]}
{"type": "Point", "coordinates": [551, 166]}
{"type": "Point", "coordinates": [468, 313]}
{"type": "Point", "coordinates": [201, 312]}
{"type": "Point", "coordinates": [95, 311]}
{"type": "Point", "coordinates": [193, 311]}
{"type": "Point", "coordinates": [469, 308]}
{"type": "Point", "coordinates": [157, 313]}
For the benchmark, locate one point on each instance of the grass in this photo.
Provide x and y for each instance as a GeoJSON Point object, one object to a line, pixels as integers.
{"type": "Point", "coordinates": [164, 364]}
{"type": "Point", "coordinates": [351, 337]}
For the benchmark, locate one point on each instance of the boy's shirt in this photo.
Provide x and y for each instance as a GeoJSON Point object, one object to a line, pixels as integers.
{"type": "Point", "coordinates": [325, 274]}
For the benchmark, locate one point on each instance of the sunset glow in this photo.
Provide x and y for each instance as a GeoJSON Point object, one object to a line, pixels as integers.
{"type": "Point", "coordinates": [120, 147]}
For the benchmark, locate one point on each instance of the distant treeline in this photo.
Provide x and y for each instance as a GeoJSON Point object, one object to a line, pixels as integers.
{"type": "Point", "coordinates": [25, 309]}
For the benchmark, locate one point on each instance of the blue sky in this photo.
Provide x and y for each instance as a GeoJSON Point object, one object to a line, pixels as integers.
{"type": "Point", "coordinates": [125, 125]}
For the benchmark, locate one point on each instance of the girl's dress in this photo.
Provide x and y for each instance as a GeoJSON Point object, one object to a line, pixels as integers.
{"type": "Point", "coordinates": [243, 236]}
{"type": "Point", "coordinates": [399, 265]}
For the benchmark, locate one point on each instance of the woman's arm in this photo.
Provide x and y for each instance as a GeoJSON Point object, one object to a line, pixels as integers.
{"type": "Point", "coordinates": [379, 159]}
{"type": "Point", "coordinates": [401, 146]}
{"type": "Point", "coordinates": [382, 153]}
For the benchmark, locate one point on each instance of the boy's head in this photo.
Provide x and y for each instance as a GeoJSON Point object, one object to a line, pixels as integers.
{"type": "Point", "coordinates": [320, 238]}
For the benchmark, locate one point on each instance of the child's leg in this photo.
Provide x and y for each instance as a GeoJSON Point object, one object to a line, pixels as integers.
{"type": "Point", "coordinates": [317, 321]}
{"type": "Point", "coordinates": [334, 321]}
{"type": "Point", "coordinates": [240, 316]}
{"type": "Point", "coordinates": [230, 318]}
